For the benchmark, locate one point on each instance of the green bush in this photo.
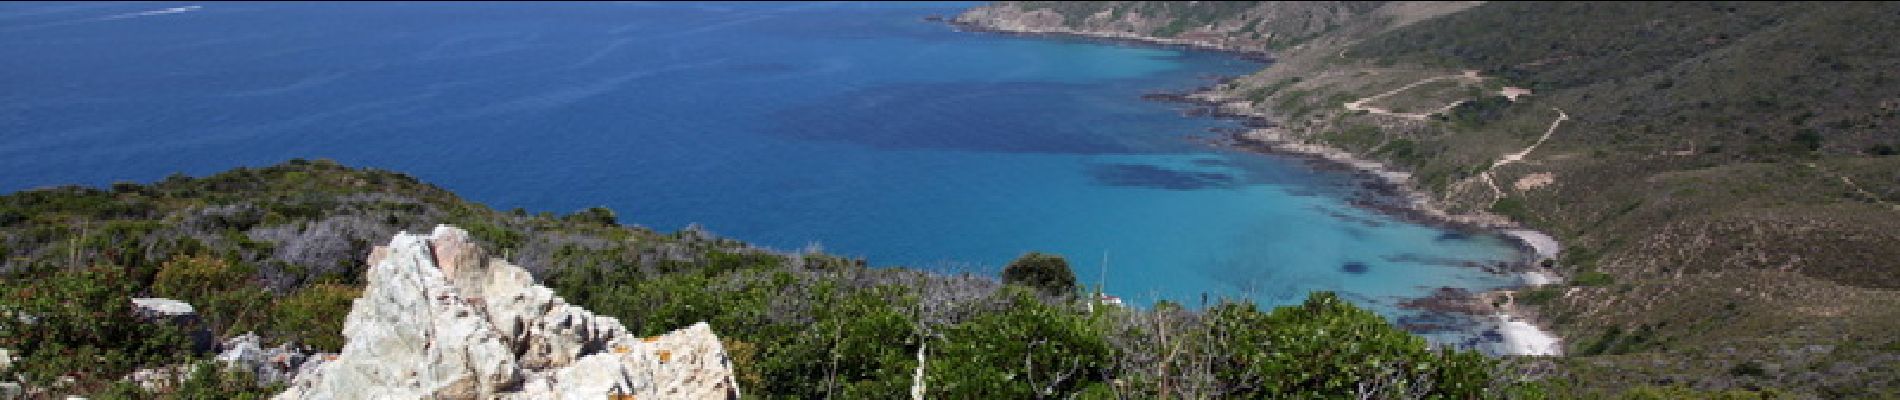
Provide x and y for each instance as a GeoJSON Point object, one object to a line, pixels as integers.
{"type": "Point", "coordinates": [602, 216]}
{"type": "Point", "coordinates": [208, 380]}
{"type": "Point", "coordinates": [1328, 347]}
{"type": "Point", "coordinates": [80, 323]}
{"type": "Point", "coordinates": [1540, 296]}
{"type": "Point", "coordinates": [223, 292]}
{"type": "Point", "coordinates": [1593, 278]}
{"type": "Point", "coordinates": [1046, 272]}
{"type": "Point", "coordinates": [1028, 349]}
{"type": "Point", "coordinates": [861, 346]}
{"type": "Point", "coordinates": [314, 316]}
{"type": "Point", "coordinates": [1511, 207]}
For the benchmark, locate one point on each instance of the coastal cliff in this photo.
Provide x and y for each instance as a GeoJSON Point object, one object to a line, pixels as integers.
{"type": "Point", "coordinates": [1703, 164]}
{"type": "Point", "coordinates": [440, 319]}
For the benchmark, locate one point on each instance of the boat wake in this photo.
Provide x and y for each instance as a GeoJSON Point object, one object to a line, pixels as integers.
{"type": "Point", "coordinates": [173, 10]}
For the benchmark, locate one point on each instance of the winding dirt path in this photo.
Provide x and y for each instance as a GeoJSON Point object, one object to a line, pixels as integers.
{"type": "Point", "coordinates": [1857, 189]}
{"type": "Point", "coordinates": [1360, 105]}
{"type": "Point", "coordinates": [1519, 156]}
{"type": "Point", "coordinates": [1869, 195]}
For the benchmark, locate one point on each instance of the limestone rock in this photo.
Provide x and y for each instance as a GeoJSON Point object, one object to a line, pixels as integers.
{"type": "Point", "coordinates": [440, 319]}
{"type": "Point", "coordinates": [161, 308]}
{"type": "Point", "coordinates": [270, 366]}
{"type": "Point", "coordinates": [159, 379]}
{"type": "Point", "coordinates": [176, 313]}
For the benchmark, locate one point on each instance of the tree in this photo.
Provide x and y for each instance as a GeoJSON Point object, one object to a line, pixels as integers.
{"type": "Point", "coordinates": [1046, 272]}
{"type": "Point", "coordinates": [598, 215]}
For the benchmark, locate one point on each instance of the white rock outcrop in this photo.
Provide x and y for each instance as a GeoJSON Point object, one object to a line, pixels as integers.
{"type": "Point", "coordinates": [440, 319]}
{"type": "Point", "coordinates": [272, 365]}
{"type": "Point", "coordinates": [177, 314]}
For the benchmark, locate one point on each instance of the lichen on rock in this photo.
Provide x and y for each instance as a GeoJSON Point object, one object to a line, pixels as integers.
{"type": "Point", "coordinates": [441, 319]}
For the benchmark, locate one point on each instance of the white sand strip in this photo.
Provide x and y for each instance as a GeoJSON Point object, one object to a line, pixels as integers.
{"type": "Point", "coordinates": [1544, 245]}
{"type": "Point", "coordinates": [1523, 338]}
{"type": "Point", "coordinates": [1537, 278]}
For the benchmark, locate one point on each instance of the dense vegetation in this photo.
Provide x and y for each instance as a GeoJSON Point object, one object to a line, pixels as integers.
{"type": "Point", "coordinates": [1725, 187]}
{"type": "Point", "coordinates": [279, 250]}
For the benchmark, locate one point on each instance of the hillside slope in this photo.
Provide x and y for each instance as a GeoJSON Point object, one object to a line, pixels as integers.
{"type": "Point", "coordinates": [1722, 174]}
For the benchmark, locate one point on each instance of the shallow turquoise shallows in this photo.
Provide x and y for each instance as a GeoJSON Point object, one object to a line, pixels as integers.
{"type": "Point", "coordinates": [859, 127]}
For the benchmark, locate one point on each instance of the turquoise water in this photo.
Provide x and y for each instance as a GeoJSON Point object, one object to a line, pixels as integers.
{"type": "Point", "coordinates": [857, 127]}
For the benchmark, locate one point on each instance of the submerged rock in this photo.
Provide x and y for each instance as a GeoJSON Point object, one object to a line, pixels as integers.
{"type": "Point", "coordinates": [1355, 268]}
{"type": "Point", "coordinates": [440, 319]}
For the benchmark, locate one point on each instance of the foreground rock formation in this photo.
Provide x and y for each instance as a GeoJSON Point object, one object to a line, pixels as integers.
{"type": "Point", "coordinates": [440, 319]}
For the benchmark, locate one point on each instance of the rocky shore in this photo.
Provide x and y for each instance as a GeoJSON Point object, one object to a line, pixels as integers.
{"type": "Point", "coordinates": [1031, 24]}
{"type": "Point", "coordinates": [1392, 191]}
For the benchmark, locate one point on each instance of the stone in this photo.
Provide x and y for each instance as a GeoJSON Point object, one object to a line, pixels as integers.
{"type": "Point", "coordinates": [160, 379]}
{"type": "Point", "coordinates": [178, 314]}
{"type": "Point", "coordinates": [154, 307]}
{"type": "Point", "coordinates": [270, 366]}
{"type": "Point", "coordinates": [441, 319]}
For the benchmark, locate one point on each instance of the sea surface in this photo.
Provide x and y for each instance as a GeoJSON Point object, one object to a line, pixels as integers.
{"type": "Point", "coordinates": [858, 128]}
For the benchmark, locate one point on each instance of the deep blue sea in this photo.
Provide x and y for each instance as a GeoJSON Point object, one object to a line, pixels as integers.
{"type": "Point", "coordinates": [858, 127]}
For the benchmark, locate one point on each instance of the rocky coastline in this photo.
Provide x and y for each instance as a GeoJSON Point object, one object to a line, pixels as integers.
{"type": "Point", "coordinates": [973, 25]}
{"type": "Point", "coordinates": [1390, 191]}
{"type": "Point", "coordinates": [1383, 189]}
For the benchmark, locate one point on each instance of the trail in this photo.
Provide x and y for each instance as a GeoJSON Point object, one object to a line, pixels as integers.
{"type": "Point", "coordinates": [1870, 195]}
{"type": "Point", "coordinates": [1360, 105]}
{"type": "Point", "coordinates": [1857, 189]}
{"type": "Point", "coordinates": [1519, 156]}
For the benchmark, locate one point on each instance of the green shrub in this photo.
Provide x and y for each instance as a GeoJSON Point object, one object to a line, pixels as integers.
{"type": "Point", "coordinates": [314, 316]}
{"type": "Point", "coordinates": [1511, 207]}
{"type": "Point", "coordinates": [1046, 272]}
{"type": "Point", "coordinates": [861, 346]}
{"type": "Point", "coordinates": [223, 292]}
{"type": "Point", "coordinates": [208, 380]}
{"type": "Point", "coordinates": [1593, 278]}
{"type": "Point", "coordinates": [80, 323]}
{"type": "Point", "coordinates": [1028, 349]}
{"type": "Point", "coordinates": [1808, 139]}
{"type": "Point", "coordinates": [1328, 347]}
{"type": "Point", "coordinates": [1539, 296]}
{"type": "Point", "coordinates": [602, 216]}
{"type": "Point", "coordinates": [1748, 368]}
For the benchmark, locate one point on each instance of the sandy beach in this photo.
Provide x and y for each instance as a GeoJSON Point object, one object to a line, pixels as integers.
{"type": "Point", "coordinates": [1525, 339]}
